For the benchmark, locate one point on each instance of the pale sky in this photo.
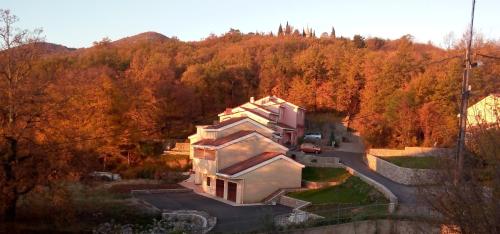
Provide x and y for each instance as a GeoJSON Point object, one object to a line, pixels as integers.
{"type": "Point", "coordinates": [78, 23]}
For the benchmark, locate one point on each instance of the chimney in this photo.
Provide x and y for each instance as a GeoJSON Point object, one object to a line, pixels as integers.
{"type": "Point", "coordinates": [252, 99]}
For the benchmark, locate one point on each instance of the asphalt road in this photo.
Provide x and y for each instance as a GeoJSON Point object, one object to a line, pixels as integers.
{"type": "Point", "coordinates": [405, 194]}
{"type": "Point", "coordinates": [230, 219]}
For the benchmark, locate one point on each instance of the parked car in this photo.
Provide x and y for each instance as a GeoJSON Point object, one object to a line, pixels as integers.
{"type": "Point", "coordinates": [104, 175]}
{"type": "Point", "coordinates": [310, 148]}
{"type": "Point", "coordinates": [313, 136]}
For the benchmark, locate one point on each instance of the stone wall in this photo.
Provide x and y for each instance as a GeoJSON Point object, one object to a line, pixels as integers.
{"type": "Point", "coordinates": [412, 151]}
{"type": "Point", "coordinates": [402, 175]}
{"type": "Point", "coordinates": [196, 221]}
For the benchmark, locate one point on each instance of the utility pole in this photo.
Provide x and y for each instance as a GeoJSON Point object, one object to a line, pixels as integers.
{"type": "Point", "coordinates": [464, 101]}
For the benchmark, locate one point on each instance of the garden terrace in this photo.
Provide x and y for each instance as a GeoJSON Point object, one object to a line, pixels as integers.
{"type": "Point", "coordinates": [414, 162]}
{"type": "Point", "coordinates": [353, 191]}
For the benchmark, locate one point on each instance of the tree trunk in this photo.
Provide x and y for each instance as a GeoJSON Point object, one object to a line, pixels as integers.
{"type": "Point", "coordinates": [9, 193]}
{"type": "Point", "coordinates": [9, 209]}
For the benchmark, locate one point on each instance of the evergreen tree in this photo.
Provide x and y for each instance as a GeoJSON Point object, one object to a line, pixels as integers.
{"type": "Point", "coordinates": [280, 31]}
{"type": "Point", "coordinates": [303, 33]}
{"type": "Point", "coordinates": [359, 41]}
{"type": "Point", "coordinates": [288, 29]}
{"type": "Point", "coordinates": [332, 35]}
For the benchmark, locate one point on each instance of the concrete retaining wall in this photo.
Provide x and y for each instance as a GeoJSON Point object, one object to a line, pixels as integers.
{"type": "Point", "coordinates": [316, 161]}
{"type": "Point", "coordinates": [412, 151]}
{"type": "Point", "coordinates": [293, 202]}
{"type": "Point", "coordinates": [156, 191]}
{"type": "Point", "coordinates": [375, 226]}
{"type": "Point", "coordinates": [402, 175]}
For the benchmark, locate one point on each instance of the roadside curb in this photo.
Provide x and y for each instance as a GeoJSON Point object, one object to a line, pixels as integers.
{"type": "Point", "coordinates": [159, 191]}
{"type": "Point", "coordinates": [147, 204]}
{"type": "Point", "coordinates": [380, 187]}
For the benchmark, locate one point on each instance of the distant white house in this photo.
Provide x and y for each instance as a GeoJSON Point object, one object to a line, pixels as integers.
{"type": "Point", "coordinates": [485, 112]}
{"type": "Point", "coordinates": [242, 158]}
{"type": "Point", "coordinates": [285, 118]}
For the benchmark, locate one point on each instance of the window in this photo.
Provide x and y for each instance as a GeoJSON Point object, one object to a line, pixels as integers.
{"type": "Point", "coordinates": [208, 181]}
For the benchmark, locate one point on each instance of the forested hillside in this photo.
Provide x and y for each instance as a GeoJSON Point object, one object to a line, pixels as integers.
{"type": "Point", "coordinates": [149, 87]}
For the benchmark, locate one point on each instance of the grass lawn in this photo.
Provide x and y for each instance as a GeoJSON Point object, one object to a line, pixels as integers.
{"type": "Point", "coordinates": [414, 162]}
{"type": "Point", "coordinates": [320, 174]}
{"type": "Point", "coordinates": [351, 200]}
{"type": "Point", "coordinates": [353, 191]}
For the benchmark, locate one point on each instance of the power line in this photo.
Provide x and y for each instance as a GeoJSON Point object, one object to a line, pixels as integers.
{"type": "Point", "coordinates": [488, 56]}
{"type": "Point", "coordinates": [440, 61]}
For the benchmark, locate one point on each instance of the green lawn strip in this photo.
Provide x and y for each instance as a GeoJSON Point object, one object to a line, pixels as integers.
{"type": "Point", "coordinates": [326, 174]}
{"type": "Point", "coordinates": [353, 191]}
{"type": "Point", "coordinates": [414, 162]}
{"type": "Point", "coordinates": [351, 200]}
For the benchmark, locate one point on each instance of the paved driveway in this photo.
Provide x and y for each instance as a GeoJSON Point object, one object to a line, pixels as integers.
{"type": "Point", "coordinates": [405, 194]}
{"type": "Point", "coordinates": [230, 219]}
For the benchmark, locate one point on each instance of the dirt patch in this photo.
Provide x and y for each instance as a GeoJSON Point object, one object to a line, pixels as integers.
{"type": "Point", "coordinates": [126, 188]}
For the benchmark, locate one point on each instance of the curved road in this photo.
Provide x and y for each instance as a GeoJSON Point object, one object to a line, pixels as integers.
{"type": "Point", "coordinates": [405, 194]}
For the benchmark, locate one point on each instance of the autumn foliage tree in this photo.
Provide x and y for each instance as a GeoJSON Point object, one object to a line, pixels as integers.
{"type": "Point", "coordinates": [64, 111]}
{"type": "Point", "coordinates": [40, 122]}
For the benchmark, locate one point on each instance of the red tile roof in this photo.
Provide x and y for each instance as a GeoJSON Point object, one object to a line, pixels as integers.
{"type": "Point", "coordinates": [224, 140]}
{"type": "Point", "coordinates": [225, 123]}
{"type": "Point", "coordinates": [243, 165]}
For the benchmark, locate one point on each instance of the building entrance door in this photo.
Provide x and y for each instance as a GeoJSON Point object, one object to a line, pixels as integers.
{"type": "Point", "coordinates": [231, 191]}
{"type": "Point", "coordinates": [219, 188]}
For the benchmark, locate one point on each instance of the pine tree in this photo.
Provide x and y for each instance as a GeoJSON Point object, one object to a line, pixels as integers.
{"type": "Point", "coordinates": [280, 31]}
{"type": "Point", "coordinates": [332, 35]}
{"type": "Point", "coordinates": [303, 33]}
{"type": "Point", "coordinates": [288, 29]}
